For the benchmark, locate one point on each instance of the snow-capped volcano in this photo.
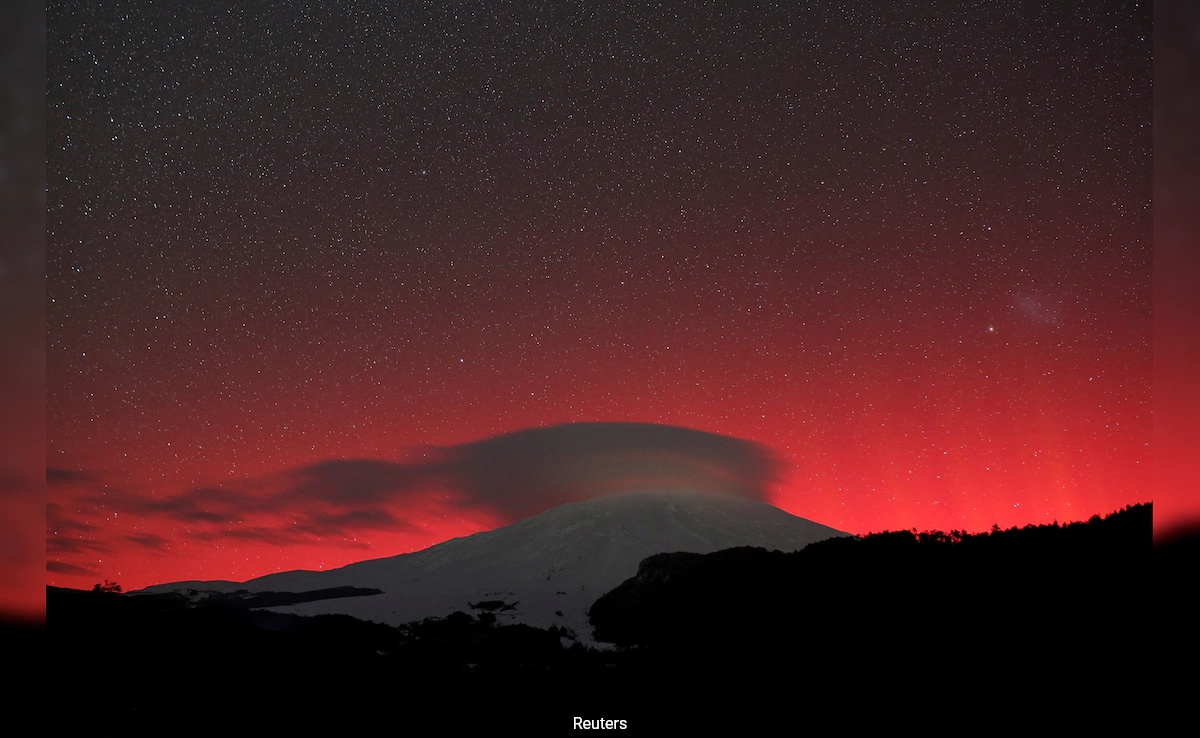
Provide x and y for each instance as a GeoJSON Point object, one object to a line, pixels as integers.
{"type": "Point", "coordinates": [547, 569]}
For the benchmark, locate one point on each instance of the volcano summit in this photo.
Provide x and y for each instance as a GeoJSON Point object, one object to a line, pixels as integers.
{"type": "Point", "coordinates": [545, 570]}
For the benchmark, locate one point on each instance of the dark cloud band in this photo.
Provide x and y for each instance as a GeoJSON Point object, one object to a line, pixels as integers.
{"type": "Point", "coordinates": [509, 477]}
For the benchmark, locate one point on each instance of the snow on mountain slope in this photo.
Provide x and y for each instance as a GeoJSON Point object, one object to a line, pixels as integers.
{"type": "Point", "coordinates": [547, 569]}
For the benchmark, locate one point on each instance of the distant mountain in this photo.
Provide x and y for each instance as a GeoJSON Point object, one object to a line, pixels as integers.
{"type": "Point", "coordinates": [543, 571]}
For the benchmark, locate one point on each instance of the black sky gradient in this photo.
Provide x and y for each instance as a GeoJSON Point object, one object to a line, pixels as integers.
{"type": "Point", "coordinates": [22, 312]}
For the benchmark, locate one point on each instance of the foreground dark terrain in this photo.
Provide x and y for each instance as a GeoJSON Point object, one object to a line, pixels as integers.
{"type": "Point", "coordinates": [1047, 622]}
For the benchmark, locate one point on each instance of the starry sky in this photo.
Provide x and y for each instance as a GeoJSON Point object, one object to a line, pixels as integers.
{"type": "Point", "coordinates": [327, 285]}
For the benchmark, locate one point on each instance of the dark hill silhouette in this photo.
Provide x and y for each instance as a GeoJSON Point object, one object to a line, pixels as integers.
{"type": "Point", "coordinates": [678, 597]}
{"type": "Point", "coordinates": [975, 619]}
{"type": "Point", "coordinates": [1033, 624]}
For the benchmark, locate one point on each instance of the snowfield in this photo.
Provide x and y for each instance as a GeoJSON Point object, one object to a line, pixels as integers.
{"type": "Point", "coordinates": [543, 571]}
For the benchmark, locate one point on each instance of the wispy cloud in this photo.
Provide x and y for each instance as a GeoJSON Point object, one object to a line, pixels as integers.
{"type": "Point", "coordinates": [345, 502]}
{"type": "Point", "coordinates": [62, 567]}
{"type": "Point", "coordinates": [149, 540]}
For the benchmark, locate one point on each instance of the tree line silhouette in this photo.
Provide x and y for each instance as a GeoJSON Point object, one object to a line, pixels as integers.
{"type": "Point", "coordinates": [908, 622]}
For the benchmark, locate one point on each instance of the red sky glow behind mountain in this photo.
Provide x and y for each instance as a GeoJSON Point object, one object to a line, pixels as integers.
{"type": "Point", "coordinates": [310, 272]}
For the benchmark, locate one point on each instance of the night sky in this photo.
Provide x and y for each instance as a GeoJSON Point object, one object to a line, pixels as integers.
{"type": "Point", "coordinates": [315, 277]}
